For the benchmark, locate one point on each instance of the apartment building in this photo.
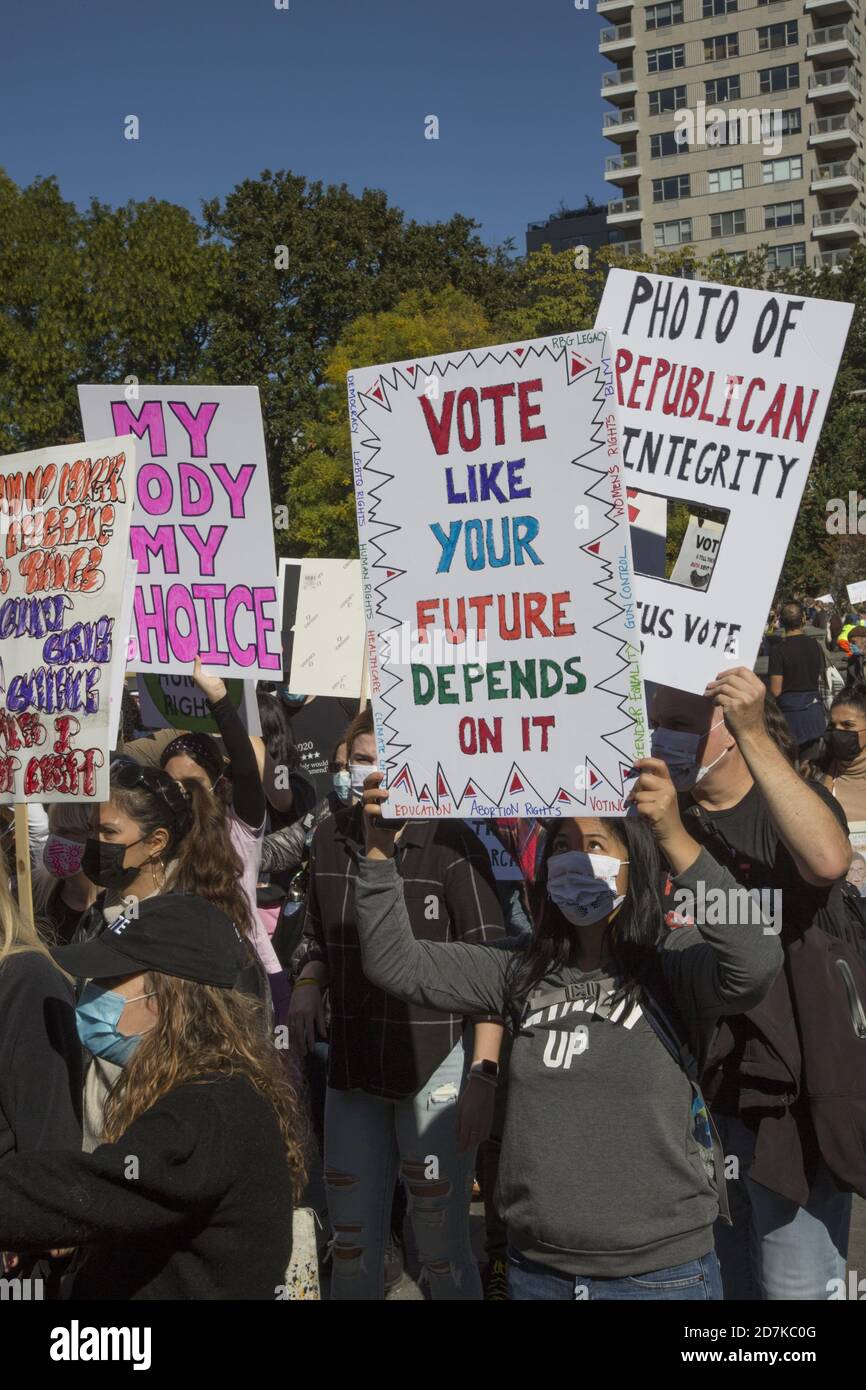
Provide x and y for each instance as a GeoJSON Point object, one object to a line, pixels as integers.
{"type": "Point", "coordinates": [736, 124]}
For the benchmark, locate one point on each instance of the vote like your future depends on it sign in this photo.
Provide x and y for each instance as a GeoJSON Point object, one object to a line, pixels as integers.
{"type": "Point", "coordinates": [64, 536]}
{"type": "Point", "coordinates": [721, 393]}
{"type": "Point", "coordinates": [497, 581]}
{"type": "Point", "coordinates": [202, 529]}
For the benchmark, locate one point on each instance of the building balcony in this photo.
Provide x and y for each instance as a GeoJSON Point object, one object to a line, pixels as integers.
{"type": "Point", "coordinates": [819, 7]}
{"type": "Point", "coordinates": [619, 85]}
{"type": "Point", "coordinates": [835, 131]}
{"type": "Point", "coordinates": [627, 248]}
{"type": "Point", "coordinates": [623, 210]}
{"type": "Point", "coordinates": [834, 83]}
{"type": "Point", "coordinates": [839, 41]}
{"type": "Point", "coordinates": [621, 168]}
{"type": "Point", "coordinates": [837, 223]}
{"type": "Point", "coordinates": [618, 11]}
{"type": "Point", "coordinates": [839, 177]}
{"type": "Point", "coordinates": [620, 125]}
{"type": "Point", "coordinates": [617, 41]}
{"type": "Point", "coordinates": [831, 260]}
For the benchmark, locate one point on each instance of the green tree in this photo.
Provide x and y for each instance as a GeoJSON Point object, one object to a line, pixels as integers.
{"type": "Point", "coordinates": [93, 296]}
{"type": "Point", "coordinates": [303, 261]}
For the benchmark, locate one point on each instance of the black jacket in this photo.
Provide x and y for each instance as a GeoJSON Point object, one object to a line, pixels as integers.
{"type": "Point", "coordinates": [193, 1202]}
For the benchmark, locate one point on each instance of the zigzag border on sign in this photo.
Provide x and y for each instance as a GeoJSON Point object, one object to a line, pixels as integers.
{"type": "Point", "coordinates": [516, 774]}
{"type": "Point", "coordinates": [391, 381]}
{"type": "Point", "coordinates": [610, 683]}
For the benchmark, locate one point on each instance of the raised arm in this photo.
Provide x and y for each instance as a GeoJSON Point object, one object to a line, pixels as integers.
{"type": "Point", "coordinates": [806, 825]}
{"type": "Point", "coordinates": [248, 797]}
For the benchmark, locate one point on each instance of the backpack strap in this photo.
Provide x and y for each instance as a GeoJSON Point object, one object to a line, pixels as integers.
{"type": "Point", "coordinates": [704, 1127]}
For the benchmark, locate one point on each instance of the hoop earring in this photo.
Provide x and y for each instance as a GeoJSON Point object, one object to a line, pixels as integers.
{"type": "Point", "coordinates": [161, 886]}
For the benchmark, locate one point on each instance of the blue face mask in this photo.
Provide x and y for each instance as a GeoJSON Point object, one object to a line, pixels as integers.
{"type": "Point", "coordinates": [97, 1015]}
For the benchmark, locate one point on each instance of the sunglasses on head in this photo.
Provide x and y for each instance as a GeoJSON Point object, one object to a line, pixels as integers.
{"type": "Point", "coordinates": [129, 776]}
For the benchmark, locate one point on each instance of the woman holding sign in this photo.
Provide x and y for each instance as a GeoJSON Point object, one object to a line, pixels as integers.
{"type": "Point", "coordinates": [608, 1177]}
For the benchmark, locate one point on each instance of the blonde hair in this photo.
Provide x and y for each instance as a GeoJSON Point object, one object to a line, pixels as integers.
{"type": "Point", "coordinates": [16, 934]}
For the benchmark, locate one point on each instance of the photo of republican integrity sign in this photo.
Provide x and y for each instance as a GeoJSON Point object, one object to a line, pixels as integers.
{"type": "Point", "coordinates": [202, 531]}
{"type": "Point", "coordinates": [497, 581]}
{"type": "Point", "coordinates": [722, 393]}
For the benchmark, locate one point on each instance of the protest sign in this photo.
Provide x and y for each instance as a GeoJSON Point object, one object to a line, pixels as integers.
{"type": "Point", "coordinates": [722, 393]}
{"type": "Point", "coordinates": [824, 598]}
{"type": "Point", "coordinates": [648, 524]}
{"type": "Point", "coordinates": [497, 580]}
{"type": "Point", "coordinates": [694, 564]}
{"type": "Point", "coordinates": [168, 701]}
{"type": "Point", "coordinates": [857, 871]}
{"type": "Point", "coordinates": [64, 537]}
{"type": "Point", "coordinates": [115, 699]}
{"type": "Point", "coordinates": [202, 529]}
{"type": "Point", "coordinates": [857, 592]}
{"type": "Point", "coordinates": [325, 629]}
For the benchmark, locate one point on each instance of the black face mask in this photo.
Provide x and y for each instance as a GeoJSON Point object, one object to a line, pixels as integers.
{"type": "Point", "coordinates": [844, 744]}
{"type": "Point", "coordinates": [103, 864]}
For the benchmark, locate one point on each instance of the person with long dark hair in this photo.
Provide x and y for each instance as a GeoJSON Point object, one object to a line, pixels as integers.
{"type": "Point", "coordinates": [605, 1176]}
{"type": "Point", "coordinates": [842, 769]}
{"type": "Point", "coordinates": [190, 1193]}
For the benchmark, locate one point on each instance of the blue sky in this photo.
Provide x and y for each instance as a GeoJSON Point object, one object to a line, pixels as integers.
{"type": "Point", "coordinates": [335, 90]}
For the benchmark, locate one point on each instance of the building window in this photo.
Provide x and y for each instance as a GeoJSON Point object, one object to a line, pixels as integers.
{"type": "Point", "coordinates": [666, 144]}
{"type": "Point", "coordinates": [736, 255]}
{"type": "Point", "coordinates": [731, 132]}
{"type": "Point", "coordinates": [677, 186]}
{"type": "Point", "coordinates": [714, 7]}
{"type": "Point", "coordinates": [723, 88]}
{"type": "Point", "coordinates": [660, 16]}
{"type": "Point", "coordinates": [725, 180]}
{"type": "Point", "coordinates": [781, 170]}
{"type": "Point", "coordinates": [664, 59]}
{"type": "Point", "coordinates": [783, 257]}
{"type": "Point", "coordinates": [725, 46]}
{"type": "Point", "coordinates": [781, 79]}
{"type": "Point", "coordinates": [783, 215]}
{"type": "Point", "coordinates": [673, 233]}
{"type": "Point", "coordinates": [777, 35]}
{"type": "Point", "coordinates": [792, 121]}
{"type": "Point", "coordinates": [728, 223]}
{"type": "Point", "coordinates": [666, 99]}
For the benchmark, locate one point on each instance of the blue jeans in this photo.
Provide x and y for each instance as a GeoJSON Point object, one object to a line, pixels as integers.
{"type": "Point", "coordinates": [698, 1281]}
{"type": "Point", "coordinates": [776, 1250]}
{"type": "Point", "coordinates": [366, 1140]}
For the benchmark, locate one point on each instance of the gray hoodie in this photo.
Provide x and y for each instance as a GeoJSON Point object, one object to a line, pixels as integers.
{"type": "Point", "coordinates": [600, 1174]}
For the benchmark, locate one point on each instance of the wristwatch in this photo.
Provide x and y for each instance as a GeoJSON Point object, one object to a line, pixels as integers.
{"type": "Point", "coordinates": [487, 1070]}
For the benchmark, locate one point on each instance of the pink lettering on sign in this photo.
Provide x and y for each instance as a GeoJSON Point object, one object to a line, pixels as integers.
{"type": "Point", "coordinates": [196, 425]}
{"type": "Point", "coordinates": [148, 422]}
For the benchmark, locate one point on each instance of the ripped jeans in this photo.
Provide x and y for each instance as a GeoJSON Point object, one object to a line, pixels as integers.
{"type": "Point", "coordinates": [367, 1139]}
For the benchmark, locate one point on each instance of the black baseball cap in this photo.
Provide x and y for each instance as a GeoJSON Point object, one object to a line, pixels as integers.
{"type": "Point", "coordinates": [174, 933]}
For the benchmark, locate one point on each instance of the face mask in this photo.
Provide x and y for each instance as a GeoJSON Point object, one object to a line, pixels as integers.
{"type": "Point", "coordinates": [583, 886]}
{"type": "Point", "coordinates": [103, 864]}
{"type": "Point", "coordinates": [844, 744]}
{"type": "Point", "coordinates": [680, 751]}
{"type": "Point", "coordinates": [342, 784]}
{"type": "Point", "coordinates": [62, 857]}
{"type": "Point", "coordinates": [358, 774]}
{"type": "Point", "coordinates": [97, 1015]}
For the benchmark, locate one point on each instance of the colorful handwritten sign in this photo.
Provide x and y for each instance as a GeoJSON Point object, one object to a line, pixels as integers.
{"type": "Point", "coordinates": [497, 581]}
{"type": "Point", "coordinates": [202, 530]}
{"type": "Point", "coordinates": [64, 537]}
{"type": "Point", "coordinates": [176, 702]}
{"type": "Point", "coordinates": [722, 394]}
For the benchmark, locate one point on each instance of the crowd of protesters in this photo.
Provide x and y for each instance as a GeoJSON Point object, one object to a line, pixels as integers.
{"type": "Point", "coordinates": [247, 995]}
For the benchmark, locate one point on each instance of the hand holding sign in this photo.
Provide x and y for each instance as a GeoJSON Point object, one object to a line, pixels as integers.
{"type": "Point", "coordinates": [655, 800]}
{"type": "Point", "coordinates": [740, 694]}
{"type": "Point", "coordinates": [378, 834]}
{"type": "Point", "coordinates": [213, 688]}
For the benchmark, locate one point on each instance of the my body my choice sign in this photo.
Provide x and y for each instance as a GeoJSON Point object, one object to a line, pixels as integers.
{"type": "Point", "coordinates": [202, 530]}
{"type": "Point", "coordinates": [497, 581]}
{"type": "Point", "coordinates": [722, 394]}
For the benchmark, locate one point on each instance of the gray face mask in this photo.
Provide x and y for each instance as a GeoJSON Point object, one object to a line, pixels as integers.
{"type": "Point", "coordinates": [679, 750]}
